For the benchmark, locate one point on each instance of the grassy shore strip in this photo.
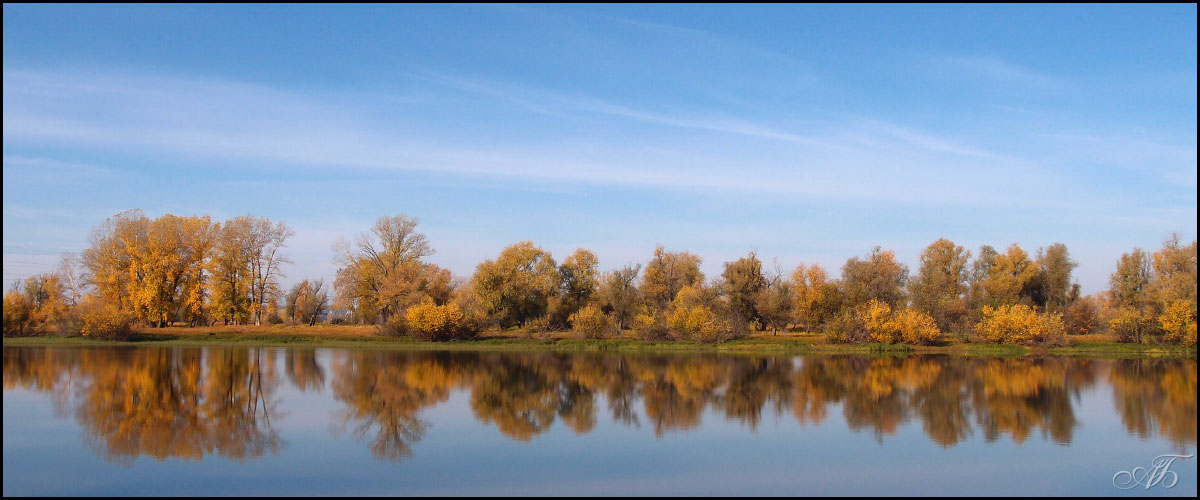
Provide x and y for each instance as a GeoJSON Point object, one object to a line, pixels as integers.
{"type": "Point", "coordinates": [757, 344]}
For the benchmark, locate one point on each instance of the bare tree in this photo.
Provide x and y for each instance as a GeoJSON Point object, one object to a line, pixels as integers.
{"type": "Point", "coordinates": [264, 244]}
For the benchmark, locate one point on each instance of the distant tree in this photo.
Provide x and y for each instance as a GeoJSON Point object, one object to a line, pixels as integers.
{"type": "Point", "coordinates": [1012, 278]}
{"type": "Point", "coordinates": [817, 299]}
{"type": "Point", "coordinates": [18, 314]}
{"type": "Point", "coordinates": [1174, 269]}
{"type": "Point", "coordinates": [382, 272]}
{"type": "Point", "coordinates": [229, 268]}
{"type": "Point", "coordinates": [170, 264]}
{"type": "Point", "coordinates": [1054, 266]}
{"type": "Point", "coordinates": [307, 301]}
{"type": "Point", "coordinates": [1133, 316]}
{"type": "Point", "coordinates": [518, 285]}
{"type": "Point", "coordinates": [619, 295]}
{"type": "Point", "coordinates": [776, 300]}
{"type": "Point", "coordinates": [109, 258]}
{"type": "Point", "coordinates": [878, 277]}
{"type": "Point", "coordinates": [73, 277]}
{"type": "Point", "coordinates": [1131, 281]}
{"type": "Point", "coordinates": [940, 286]}
{"type": "Point", "coordinates": [742, 283]}
{"type": "Point", "coordinates": [981, 268]}
{"type": "Point", "coordinates": [578, 281]}
{"type": "Point", "coordinates": [265, 243]}
{"type": "Point", "coordinates": [667, 274]}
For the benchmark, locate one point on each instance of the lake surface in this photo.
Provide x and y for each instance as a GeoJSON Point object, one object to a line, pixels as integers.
{"type": "Point", "coordinates": [254, 421]}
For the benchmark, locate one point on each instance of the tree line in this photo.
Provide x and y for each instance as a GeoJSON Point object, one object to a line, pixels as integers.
{"type": "Point", "coordinates": [193, 270]}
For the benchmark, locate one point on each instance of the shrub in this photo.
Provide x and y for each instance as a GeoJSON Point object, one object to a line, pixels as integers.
{"type": "Point", "coordinates": [539, 324]}
{"type": "Point", "coordinates": [589, 322]}
{"type": "Point", "coordinates": [876, 318]}
{"type": "Point", "coordinates": [428, 321]}
{"type": "Point", "coordinates": [845, 328]}
{"type": "Point", "coordinates": [1020, 324]}
{"type": "Point", "coordinates": [18, 315]}
{"type": "Point", "coordinates": [394, 326]}
{"type": "Point", "coordinates": [697, 323]}
{"type": "Point", "coordinates": [1130, 325]}
{"type": "Point", "coordinates": [1178, 323]}
{"type": "Point", "coordinates": [876, 322]}
{"type": "Point", "coordinates": [1081, 317]}
{"type": "Point", "coordinates": [69, 322]}
{"type": "Point", "coordinates": [650, 325]}
{"type": "Point", "coordinates": [917, 328]}
{"type": "Point", "coordinates": [102, 320]}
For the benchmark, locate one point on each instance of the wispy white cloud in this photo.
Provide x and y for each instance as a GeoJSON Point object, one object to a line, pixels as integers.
{"type": "Point", "coordinates": [862, 159]}
{"type": "Point", "coordinates": [1001, 72]}
{"type": "Point", "coordinates": [1172, 163]}
{"type": "Point", "coordinates": [555, 103]}
{"type": "Point", "coordinates": [43, 171]}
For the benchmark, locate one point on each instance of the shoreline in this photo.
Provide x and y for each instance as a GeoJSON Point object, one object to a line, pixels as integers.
{"type": "Point", "coordinates": [1092, 346]}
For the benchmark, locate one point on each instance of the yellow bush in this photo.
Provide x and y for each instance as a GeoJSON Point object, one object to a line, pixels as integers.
{"type": "Point", "coordinates": [428, 321]}
{"type": "Point", "coordinates": [590, 322]}
{"type": "Point", "coordinates": [882, 325]}
{"type": "Point", "coordinates": [876, 317]}
{"type": "Point", "coordinates": [105, 321]}
{"type": "Point", "coordinates": [1129, 325]}
{"type": "Point", "coordinates": [698, 323]}
{"type": "Point", "coordinates": [1020, 324]}
{"type": "Point", "coordinates": [650, 325]}
{"type": "Point", "coordinates": [917, 327]}
{"type": "Point", "coordinates": [1178, 323]}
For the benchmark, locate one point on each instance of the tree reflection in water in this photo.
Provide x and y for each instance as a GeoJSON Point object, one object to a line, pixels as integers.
{"type": "Point", "coordinates": [188, 403]}
{"type": "Point", "coordinates": [1154, 395]}
{"type": "Point", "coordinates": [159, 402]}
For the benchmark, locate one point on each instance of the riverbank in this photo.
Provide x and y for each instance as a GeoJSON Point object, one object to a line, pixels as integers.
{"type": "Point", "coordinates": [759, 343]}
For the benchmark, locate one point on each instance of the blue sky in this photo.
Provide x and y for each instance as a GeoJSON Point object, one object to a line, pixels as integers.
{"type": "Point", "coordinates": [806, 133]}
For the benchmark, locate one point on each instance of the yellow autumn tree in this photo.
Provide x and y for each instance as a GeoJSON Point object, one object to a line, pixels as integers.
{"type": "Point", "coordinates": [1011, 277]}
{"type": "Point", "coordinates": [383, 272]}
{"type": "Point", "coordinates": [667, 274]}
{"type": "Point", "coordinates": [18, 314]}
{"type": "Point", "coordinates": [154, 268]}
{"type": "Point", "coordinates": [817, 298]}
{"type": "Point", "coordinates": [109, 256]}
{"type": "Point", "coordinates": [578, 282]}
{"type": "Point", "coordinates": [170, 262]}
{"type": "Point", "coordinates": [518, 285]}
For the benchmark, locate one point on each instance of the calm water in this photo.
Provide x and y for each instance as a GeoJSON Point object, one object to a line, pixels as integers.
{"type": "Point", "coordinates": [219, 421]}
